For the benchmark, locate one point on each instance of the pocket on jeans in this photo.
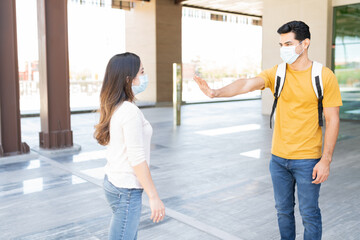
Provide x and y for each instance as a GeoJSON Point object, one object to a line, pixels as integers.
{"type": "Point", "coordinates": [113, 199]}
{"type": "Point", "coordinates": [108, 186]}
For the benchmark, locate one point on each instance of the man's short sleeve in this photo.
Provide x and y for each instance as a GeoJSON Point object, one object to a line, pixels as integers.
{"type": "Point", "coordinates": [269, 77]}
{"type": "Point", "coordinates": [332, 96]}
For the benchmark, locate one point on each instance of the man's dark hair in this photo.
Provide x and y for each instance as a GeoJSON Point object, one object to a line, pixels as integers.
{"type": "Point", "coordinates": [300, 29]}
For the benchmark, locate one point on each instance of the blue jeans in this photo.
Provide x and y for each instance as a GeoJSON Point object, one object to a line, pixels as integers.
{"type": "Point", "coordinates": [285, 174]}
{"type": "Point", "coordinates": [126, 211]}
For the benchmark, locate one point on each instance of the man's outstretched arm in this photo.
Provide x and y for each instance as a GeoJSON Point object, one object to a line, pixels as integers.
{"type": "Point", "coordinates": [239, 86]}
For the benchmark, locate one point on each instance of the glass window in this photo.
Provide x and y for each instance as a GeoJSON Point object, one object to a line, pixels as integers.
{"type": "Point", "coordinates": [92, 42]}
{"type": "Point", "coordinates": [346, 58]}
{"type": "Point", "coordinates": [220, 48]}
{"type": "Point", "coordinates": [96, 32]}
{"type": "Point", "coordinates": [28, 56]}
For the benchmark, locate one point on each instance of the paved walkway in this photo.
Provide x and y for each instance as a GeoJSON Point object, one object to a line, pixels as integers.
{"type": "Point", "coordinates": [211, 172]}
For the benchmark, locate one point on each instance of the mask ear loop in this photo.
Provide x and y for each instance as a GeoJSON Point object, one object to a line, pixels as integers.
{"type": "Point", "coordinates": [303, 48]}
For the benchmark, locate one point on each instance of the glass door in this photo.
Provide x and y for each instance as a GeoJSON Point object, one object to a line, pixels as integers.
{"type": "Point", "coordinates": [346, 58]}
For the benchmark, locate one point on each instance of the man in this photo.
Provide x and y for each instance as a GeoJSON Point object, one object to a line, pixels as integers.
{"type": "Point", "coordinates": [297, 139]}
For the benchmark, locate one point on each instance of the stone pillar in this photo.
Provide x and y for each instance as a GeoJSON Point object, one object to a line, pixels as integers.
{"type": "Point", "coordinates": [316, 14]}
{"type": "Point", "coordinates": [54, 75]}
{"type": "Point", "coordinates": [10, 128]}
{"type": "Point", "coordinates": [153, 31]}
{"type": "Point", "coordinates": [168, 47]}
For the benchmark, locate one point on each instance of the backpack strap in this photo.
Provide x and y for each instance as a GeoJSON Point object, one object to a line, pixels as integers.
{"type": "Point", "coordinates": [318, 88]}
{"type": "Point", "coordinates": [279, 84]}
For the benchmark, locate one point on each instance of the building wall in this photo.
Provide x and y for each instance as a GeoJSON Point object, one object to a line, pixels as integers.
{"type": "Point", "coordinates": [343, 2]}
{"type": "Point", "coordinates": [317, 14]}
{"type": "Point", "coordinates": [140, 35]}
{"type": "Point", "coordinates": [153, 31]}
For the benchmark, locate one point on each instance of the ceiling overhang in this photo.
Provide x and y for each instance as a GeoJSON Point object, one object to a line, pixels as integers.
{"type": "Point", "coordinates": [244, 7]}
{"type": "Point", "coordinates": [118, 4]}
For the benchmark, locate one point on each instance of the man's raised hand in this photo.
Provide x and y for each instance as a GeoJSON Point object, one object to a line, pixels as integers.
{"type": "Point", "coordinates": [204, 87]}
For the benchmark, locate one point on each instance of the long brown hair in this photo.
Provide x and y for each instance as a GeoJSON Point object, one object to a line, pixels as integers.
{"type": "Point", "coordinates": [116, 88]}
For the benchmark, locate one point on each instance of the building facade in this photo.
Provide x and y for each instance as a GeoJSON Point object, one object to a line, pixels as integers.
{"type": "Point", "coordinates": [153, 30]}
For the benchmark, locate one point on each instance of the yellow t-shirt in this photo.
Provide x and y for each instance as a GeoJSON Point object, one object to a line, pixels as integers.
{"type": "Point", "coordinates": [297, 134]}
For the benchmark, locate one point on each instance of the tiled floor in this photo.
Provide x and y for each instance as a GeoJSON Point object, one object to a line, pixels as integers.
{"type": "Point", "coordinates": [211, 172]}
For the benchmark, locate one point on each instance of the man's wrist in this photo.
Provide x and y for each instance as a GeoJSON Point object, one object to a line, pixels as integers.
{"type": "Point", "coordinates": [216, 92]}
{"type": "Point", "coordinates": [326, 158]}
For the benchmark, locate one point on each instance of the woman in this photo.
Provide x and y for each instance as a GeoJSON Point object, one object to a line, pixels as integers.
{"type": "Point", "coordinates": [126, 133]}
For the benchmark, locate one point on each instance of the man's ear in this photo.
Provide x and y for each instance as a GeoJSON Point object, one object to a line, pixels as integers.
{"type": "Point", "coordinates": [307, 43]}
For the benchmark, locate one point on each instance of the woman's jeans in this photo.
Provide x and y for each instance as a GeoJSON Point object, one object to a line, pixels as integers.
{"type": "Point", "coordinates": [285, 173]}
{"type": "Point", "coordinates": [126, 208]}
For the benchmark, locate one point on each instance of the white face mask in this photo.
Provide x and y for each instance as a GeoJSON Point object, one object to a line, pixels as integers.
{"type": "Point", "coordinates": [142, 86]}
{"type": "Point", "coordinates": [289, 55]}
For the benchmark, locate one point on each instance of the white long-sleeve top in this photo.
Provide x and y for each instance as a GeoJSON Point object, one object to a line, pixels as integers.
{"type": "Point", "coordinates": [130, 136]}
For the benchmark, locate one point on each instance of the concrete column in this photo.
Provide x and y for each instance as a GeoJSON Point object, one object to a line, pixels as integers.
{"type": "Point", "coordinates": [316, 14]}
{"type": "Point", "coordinates": [10, 130]}
{"type": "Point", "coordinates": [153, 31]}
{"type": "Point", "coordinates": [168, 47]}
{"type": "Point", "coordinates": [54, 75]}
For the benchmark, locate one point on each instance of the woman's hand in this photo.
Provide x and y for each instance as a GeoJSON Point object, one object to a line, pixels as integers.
{"type": "Point", "coordinates": [204, 87]}
{"type": "Point", "coordinates": [157, 209]}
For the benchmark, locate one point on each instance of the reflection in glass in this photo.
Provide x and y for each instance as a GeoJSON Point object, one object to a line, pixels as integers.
{"type": "Point", "coordinates": [346, 58]}
{"type": "Point", "coordinates": [33, 185]}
